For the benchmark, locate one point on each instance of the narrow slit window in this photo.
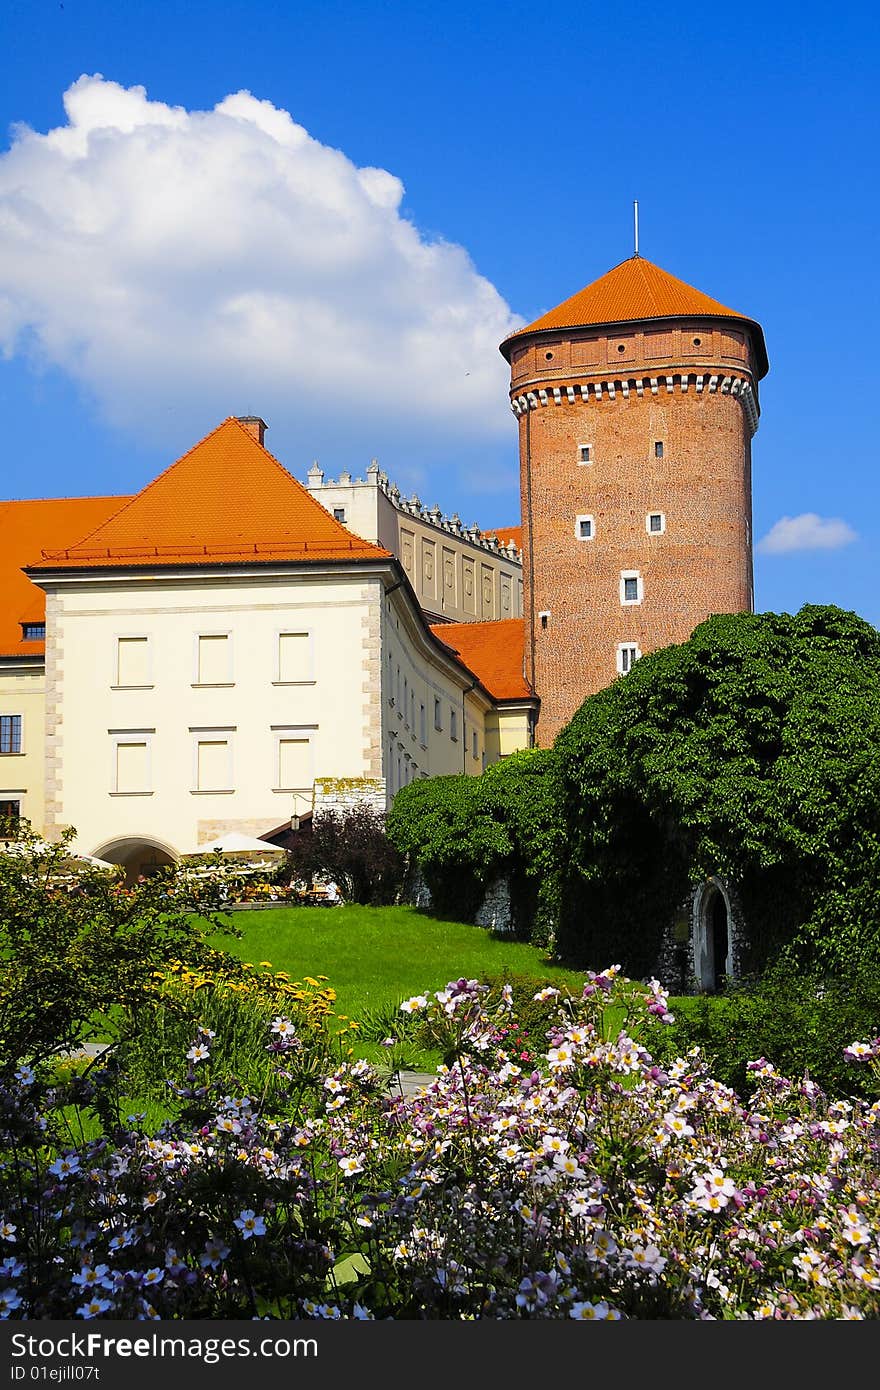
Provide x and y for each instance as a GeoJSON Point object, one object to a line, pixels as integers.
{"type": "Point", "coordinates": [658, 448]}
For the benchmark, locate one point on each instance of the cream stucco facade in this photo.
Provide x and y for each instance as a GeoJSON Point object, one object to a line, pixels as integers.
{"type": "Point", "coordinates": [23, 703]}
{"type": "Point", "coordinates": [184, 705]}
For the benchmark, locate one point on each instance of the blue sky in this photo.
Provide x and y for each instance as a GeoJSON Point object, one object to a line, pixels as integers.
{"type": "Point", "coordinates": [168, 263]}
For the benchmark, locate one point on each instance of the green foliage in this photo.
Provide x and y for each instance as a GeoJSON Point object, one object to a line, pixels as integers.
{"type": "Point", "coordinates": [799, 1021]}
{"type": "Point", "coordinates": [751, 751]}
{"type": "Point", "coordinates": [76, 944]}
{"type": "Point", "coordinates": [463, 832]}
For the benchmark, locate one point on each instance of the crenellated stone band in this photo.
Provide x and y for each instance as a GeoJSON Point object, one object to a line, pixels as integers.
{"type": "Point", "coordinates": [595, 390]}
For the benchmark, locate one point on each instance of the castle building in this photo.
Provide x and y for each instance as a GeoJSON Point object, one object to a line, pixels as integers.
{"type": "Point", "coordinates": [220, 653]}
{"type": "Point", "coordinates": [228, 648]}
{"type": "Point", "coordinates": [637, 400]}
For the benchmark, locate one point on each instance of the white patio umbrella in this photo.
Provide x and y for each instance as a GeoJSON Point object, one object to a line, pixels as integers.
{"type": "Point", "coordinates": [234, 843]}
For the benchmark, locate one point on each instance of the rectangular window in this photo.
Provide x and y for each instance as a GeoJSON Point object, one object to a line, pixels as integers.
{"type": "Point", "coordinates": [655, 523]}
{"type": "Point", "coordinates": [33, 632]}
{"type": "Point", "coordinates": [658, 448]}
{"type": "Point", "coordinates": [339, 514]}
{"type": "Point", "coordinates": [294, 658]}
{"type": "Point", "coordinates": [423, 726]}
{"type": "Point", "coordinates": [438, 717]}
{"type": "Point", "coordinates": [631, 589]}
{"type": "Point", "coordinates": [406, 701]}
{"type": "Point", "coordinates": [453, 724]}
{"type": "Point", "coordinates": [475, 750]}
{"type": "Point", "coordinates": [294, 764]}
{"type": "Point", "coordinates": [214, 659]}
{"type": "Point", "coordinates": [10, 812]}
{"type": "Point", "coordinates": [10, 733]}
{"type": "Point", "coordinates": [585, 453]}
{"type": "Point", "coordinates": [584, 528]}
{"type": "Point", "coordinates": [213, 765]}
{"type": "Point", "coordinates": [132, 765]}
{"type": "Point", "coordinates": [132, 661]}
{"type": "Point", "coordinates": [627, 655]}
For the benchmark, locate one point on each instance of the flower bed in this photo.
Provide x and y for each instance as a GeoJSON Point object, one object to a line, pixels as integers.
{"type": "Point", "coordinates": [597, 1184]}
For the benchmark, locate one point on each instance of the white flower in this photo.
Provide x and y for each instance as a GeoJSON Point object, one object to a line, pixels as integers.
{"type": "Point", "coordinates": [412, 1006]}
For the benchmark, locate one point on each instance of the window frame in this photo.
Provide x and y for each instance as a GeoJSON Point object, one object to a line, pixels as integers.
{"type": "Point", "coordinates": [230, 668]}
{"type": "Point", "coordinates": [198, 735]}
{"type": "Point", "coordinates": [292, 732]}
{"type": "Point", "coordinates": [584, 462]}
{"type": "Point", "coordinates": [662, 528]}
{"type": "Point", "coordinates": [131, 736]}
{"type": "Point", "coordinates": [133, 637]}
{"type": "Point", "coordinates": [577, 527]}
{"type": "Point", "coordinates": [11, 752]}
{"type": "Point", "coordinates": [622, 668]}
{"type": "Point", "coordinates": [630, 575]}
{"type": "Point", "coordinates": [289, 631]}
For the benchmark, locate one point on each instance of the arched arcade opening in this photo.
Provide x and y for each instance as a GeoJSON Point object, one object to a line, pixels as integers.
{"type": "Point", "coordinates": [139, 856]}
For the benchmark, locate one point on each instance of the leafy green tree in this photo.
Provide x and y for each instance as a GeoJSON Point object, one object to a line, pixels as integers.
{"type": "Point", "coordinates": [76, 946]}
{"type": "Point", "coordinates": [752, 751]}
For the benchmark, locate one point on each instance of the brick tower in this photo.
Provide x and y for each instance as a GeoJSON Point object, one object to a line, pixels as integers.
{"type": "Point", "coordinates": [637, 400]}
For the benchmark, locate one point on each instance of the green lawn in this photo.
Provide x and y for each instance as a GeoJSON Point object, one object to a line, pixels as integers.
{"type": "Point", "coordinates": [375, 957]}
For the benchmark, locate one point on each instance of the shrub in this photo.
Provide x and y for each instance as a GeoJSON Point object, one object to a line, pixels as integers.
{"type": "Point", "coordinates": [464, 832]}
{"type": "Point", "coordinates": [76, 944]}
{"type": "Point", "coordinates": [801, 1021]}
{"type": "Point", "coordinates": [352, 849]}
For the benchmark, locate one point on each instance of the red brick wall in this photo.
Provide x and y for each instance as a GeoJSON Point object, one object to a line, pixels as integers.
{"type": "Point", "coordinates": [701, 564]}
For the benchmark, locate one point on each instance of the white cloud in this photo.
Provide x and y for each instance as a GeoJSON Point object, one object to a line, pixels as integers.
{"type": "Point", "coordinates": [806, 532]}
{"type": "Point", "coordinates": [187, 265]}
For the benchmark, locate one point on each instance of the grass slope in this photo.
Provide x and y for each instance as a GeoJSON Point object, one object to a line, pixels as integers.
{"type": "Point", "coordinates": [375, 957]}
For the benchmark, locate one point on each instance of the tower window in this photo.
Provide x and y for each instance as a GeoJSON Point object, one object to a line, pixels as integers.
{"type": "Point", "coordinates": [631, 589]}
{"type": "Point", "coordinates": [655, 523]}
{"type": "Point", "coordinates": [339, 514]}
{"type": "Point", "coordinates": [585, 453]}
{"type": "Point", "coordinates": [627, 655]}
{"type": "Point", "coordinates": [583, 528]}
{"type": "Point", "coordinates": [658, 448]}
{"type": "Point", "coordinates": [548, 356]}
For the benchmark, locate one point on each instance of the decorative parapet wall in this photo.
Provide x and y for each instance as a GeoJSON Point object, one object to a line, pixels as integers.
{"type": "Point", "coordinates": [459, 573]}
{"type": "Point", "coordinates": [585, 392]}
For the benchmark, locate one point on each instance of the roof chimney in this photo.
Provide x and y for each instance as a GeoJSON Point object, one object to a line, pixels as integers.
{"type": "Point", "coordinates": [254, 426]}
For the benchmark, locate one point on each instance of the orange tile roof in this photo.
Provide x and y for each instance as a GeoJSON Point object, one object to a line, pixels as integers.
{"type": "Point", "coordinates": [226, 501]}
{"type": "Point", "coordinates": [25, 527]}
{"type": "Point", "coordinates": [493, 651]}
{"type": "Point", "coordinates": [634, 290]}
{"type": "Point", "coordinates": [506, 534]}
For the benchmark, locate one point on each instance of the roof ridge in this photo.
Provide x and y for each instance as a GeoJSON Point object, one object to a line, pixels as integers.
{"type": "Point", "coordinates": [150, 485]}
{"type": "Point", "coordinates": [96, 497]}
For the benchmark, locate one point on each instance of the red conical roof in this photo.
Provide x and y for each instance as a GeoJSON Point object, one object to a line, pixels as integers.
{"type": "Point", "coordinates": [226, 501]}
{"type": "Point", "coordinates": [633, 291]}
